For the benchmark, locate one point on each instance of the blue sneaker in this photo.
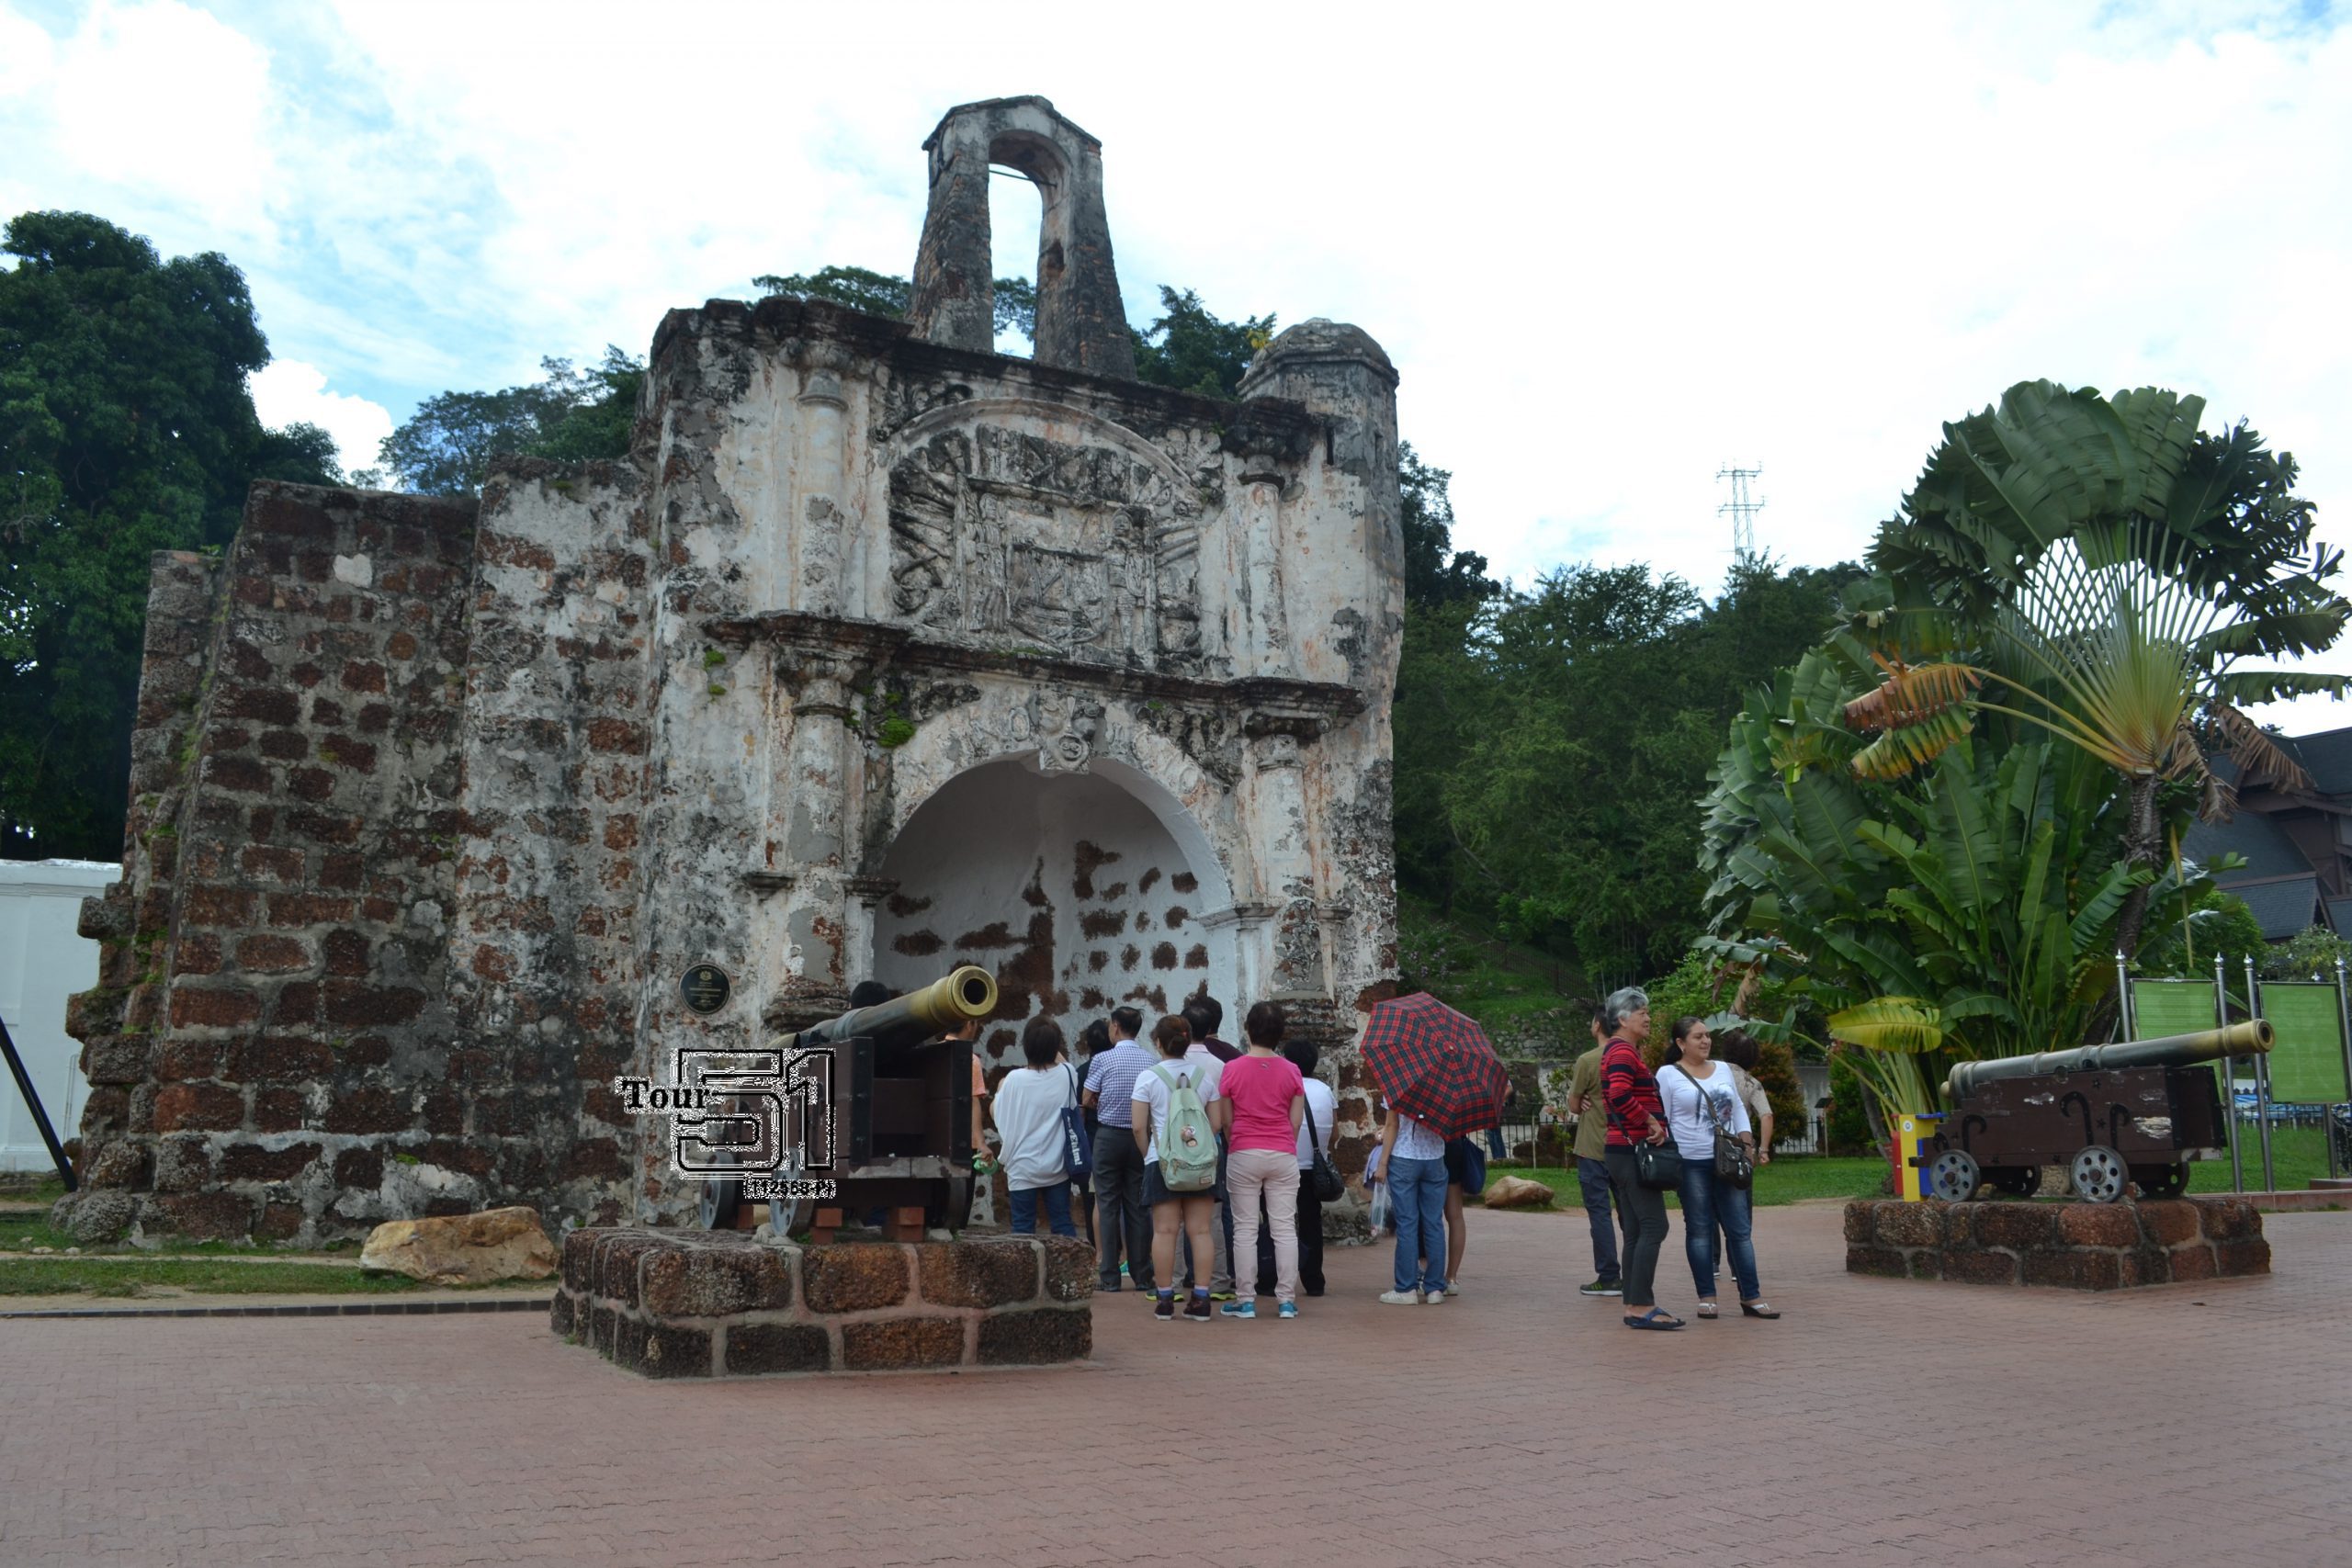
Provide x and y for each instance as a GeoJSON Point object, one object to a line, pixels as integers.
{"type": "Point", "coordinates": [1239, 1309]}
{"type": "Point", "coordinates": [1289, 1308]}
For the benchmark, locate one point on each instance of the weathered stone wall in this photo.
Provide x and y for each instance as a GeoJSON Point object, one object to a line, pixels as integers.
{"type": "Point", "coordinates": [702, 1304]}
{"type": "Point", "coordinates": [2082, 1246]}
{"type": "Point", "coordinates": [544, 980]}
{"type": "Point", "coordinates": [275, 949]}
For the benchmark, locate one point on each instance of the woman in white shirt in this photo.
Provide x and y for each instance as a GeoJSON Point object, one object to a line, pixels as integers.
{"type": "Point", "coordinates": [1029, 1105]}
{"type": "Point", "coordinates": [1699, 1096]}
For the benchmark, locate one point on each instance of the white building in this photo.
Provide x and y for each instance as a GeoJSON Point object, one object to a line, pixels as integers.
{"type": "Point", "coordinates": [43, 961]}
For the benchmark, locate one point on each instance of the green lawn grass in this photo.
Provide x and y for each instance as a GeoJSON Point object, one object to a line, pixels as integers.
{"type": "Point", "coordinates": [23, 1234]}
{"type": "Point", "coordinates": [211, 1276]}
{"type": "Point", "coordinates": [1788, 1179]}
{"type": "Point", "coordinates": [2298, 1155]}
{"type": "Point", "coordinates": [38, 1194]}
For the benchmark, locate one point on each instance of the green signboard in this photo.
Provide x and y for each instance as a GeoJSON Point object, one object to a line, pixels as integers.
{"type": "Point", "coordinates": [2170, 1007]}
{"type": "Point", "coordinates": [2307, 1061]}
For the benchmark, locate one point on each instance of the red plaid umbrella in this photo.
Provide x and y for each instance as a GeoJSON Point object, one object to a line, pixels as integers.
{"type": "Point", "coordinates": [1435, 1064]}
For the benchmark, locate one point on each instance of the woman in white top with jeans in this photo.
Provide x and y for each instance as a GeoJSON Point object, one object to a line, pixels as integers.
{"type": "Point", "coordinates": [1699, 1095]}
{"type": "Point", "coordinates": [1412, 1161]}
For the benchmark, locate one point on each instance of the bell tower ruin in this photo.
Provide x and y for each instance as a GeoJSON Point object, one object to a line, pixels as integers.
{"type": "Point", "coordinates": [881, 653]}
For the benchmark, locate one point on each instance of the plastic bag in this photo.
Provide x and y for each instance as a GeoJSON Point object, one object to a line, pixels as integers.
{"type": "Point", "coordinates": [1380, 1215]}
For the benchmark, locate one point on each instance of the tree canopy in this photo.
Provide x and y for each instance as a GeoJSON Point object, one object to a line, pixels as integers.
{"type": "Point", "coordinates": [126, 427]}
{"type": "Point", "coordinates": [569, 415]}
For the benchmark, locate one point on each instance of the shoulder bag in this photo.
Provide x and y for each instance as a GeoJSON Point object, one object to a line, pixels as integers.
{"type": "Point", "coordinates": [1733, 1162]}
{"type": "Point", "coordinates": [1659, 1166]}
{"type": "Point", "coordinates": [1078, 1148]}
{"type": "Point", "coordinates": [1656, 1166]}
{"type": "Point", "coordinates": [1329, 1186]}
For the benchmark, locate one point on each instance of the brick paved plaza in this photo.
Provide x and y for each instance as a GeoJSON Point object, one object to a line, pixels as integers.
{"type": "Point", "coordinates": [1879, 1422]}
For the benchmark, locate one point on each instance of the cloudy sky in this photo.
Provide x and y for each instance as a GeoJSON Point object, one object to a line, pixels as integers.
{"type": "Point", "coordinates": [1611, 249]}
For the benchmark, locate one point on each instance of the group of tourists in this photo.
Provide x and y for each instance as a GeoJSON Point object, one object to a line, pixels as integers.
{"type": "Point", "coordinates": [1196, 1152]}
{"type": "Point", "coordinates": [1188, 1155]}
{"type": "Point", "coordinates": [1714, 1116]}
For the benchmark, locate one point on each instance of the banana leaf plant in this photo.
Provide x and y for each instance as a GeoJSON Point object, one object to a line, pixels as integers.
{"type": "Point", "coordinates": [1969, 909]}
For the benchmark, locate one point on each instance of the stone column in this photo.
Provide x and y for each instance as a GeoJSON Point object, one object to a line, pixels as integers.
{"type": "Point", "coordinates": [820, 769]}
{"type": "Point", "coordinates": [1269, 650]}
{"type": "Point", "coordinates": [820, 585]}
{"type": "Point", "coordinates": [866, 895]}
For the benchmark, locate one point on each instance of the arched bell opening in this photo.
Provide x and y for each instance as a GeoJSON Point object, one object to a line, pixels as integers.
{"type": "Point", "coordinates": [1071, 887]}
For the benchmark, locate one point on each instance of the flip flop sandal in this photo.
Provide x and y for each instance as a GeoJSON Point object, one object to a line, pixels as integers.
{"type": "Point", "coordinates": [1707, 1310]}
{"type": "Point", "coordinates": [1657, 1317]}
{"type": "Point", "coordinates": [1757, 1309]}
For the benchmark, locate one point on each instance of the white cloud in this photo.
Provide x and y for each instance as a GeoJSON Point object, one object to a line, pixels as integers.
{"type": "Point", "coordinates": [1610, 249]}
{"type": "Point", "coordinates": [286, 391]}
{"type": "Point", "coordinates": [160, 102]}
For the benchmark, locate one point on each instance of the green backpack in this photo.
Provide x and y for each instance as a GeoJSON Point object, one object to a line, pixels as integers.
{"type": "Point", "coordinates": [1188, 1143]}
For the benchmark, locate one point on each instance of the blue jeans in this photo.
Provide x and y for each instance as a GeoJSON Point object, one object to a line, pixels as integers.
{"type": "Point", "coordinates": [1417, 1192]}
{"type": "Point", "coordinates": [1025, 1210]}
{"type": "Point", "coordinates": [1592, 1180]}
{"type": "Point", "coordinates": [1708, 1201]}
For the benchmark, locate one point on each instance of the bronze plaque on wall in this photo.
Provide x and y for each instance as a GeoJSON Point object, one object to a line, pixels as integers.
{"type": "Point", "coordinates": [705, 988]}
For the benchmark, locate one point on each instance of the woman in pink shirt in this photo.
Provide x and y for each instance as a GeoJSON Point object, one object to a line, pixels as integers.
{"type": "Point", "coordinates": [1268, 1098]}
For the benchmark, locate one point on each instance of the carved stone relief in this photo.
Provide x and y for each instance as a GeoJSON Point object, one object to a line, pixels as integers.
{"type": "Point", "coordinates": [1085, 551]}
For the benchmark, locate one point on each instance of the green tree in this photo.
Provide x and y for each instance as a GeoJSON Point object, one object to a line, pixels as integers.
{"type": "Point", "coordinates": [2218, 922]}
{"type": "Point", "coordinates": [879, 293]}
{"type": "Point", "coordinates": [569, 415]}
{"type": "Point", "coordinates": [1188, 348]}
{"type": "Point", "coordinates": [126, 427]}
{"type": "Point", "coordinates": [1551, 743]}
{"type": "Point", "coordinates": [1435, 572]}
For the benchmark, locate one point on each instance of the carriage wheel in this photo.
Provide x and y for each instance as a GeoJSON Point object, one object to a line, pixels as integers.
{"type": "Point", "coordinates": [2015, 1180]}
{"type": "Point", "coordinates": [2162, 1180]}
{"type": "Point", "coordinates": [790, 1217]}
{"type": "Point", "coordinates": [1954, 1177]}
{"type": "Point", "coordinates": [2100, 1176]}
{"type": "Point", "coordinates": [722, 1200]}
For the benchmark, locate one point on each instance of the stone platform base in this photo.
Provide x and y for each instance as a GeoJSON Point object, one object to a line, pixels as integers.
{"type": "Point", "coordinates": [2081, 1247]}
{"type": "Point", "coordinates": [672, 1303]}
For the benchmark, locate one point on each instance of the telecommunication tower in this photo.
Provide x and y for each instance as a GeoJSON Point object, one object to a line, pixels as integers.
{"type": "Point", "coordinates": [1741, 507]}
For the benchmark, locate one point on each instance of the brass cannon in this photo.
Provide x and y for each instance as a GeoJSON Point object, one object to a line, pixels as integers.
{"type": "Point", "coordinates": [2138, 1110]}
{"type": "Point", "coordinates": [874, 1102]}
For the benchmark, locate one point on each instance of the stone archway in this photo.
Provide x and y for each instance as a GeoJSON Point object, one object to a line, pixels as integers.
{"type": "Point", "coordinates": [1068, 886]}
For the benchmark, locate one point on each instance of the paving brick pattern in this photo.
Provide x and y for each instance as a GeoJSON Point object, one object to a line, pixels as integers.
{"type": "Point", "coordinates": [1881, 1422]}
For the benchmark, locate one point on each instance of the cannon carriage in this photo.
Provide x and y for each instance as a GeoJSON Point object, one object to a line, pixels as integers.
{"type": "Point", "coordinates": [2133, 1112]}
{"type": "Point", "coordinates": [886, 1115]}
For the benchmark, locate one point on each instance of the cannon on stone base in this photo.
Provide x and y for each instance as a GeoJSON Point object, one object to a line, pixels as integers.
{"type": "Point", "coordinates": [890, 1121]}
{"type": "Point", "coordinates": [2135, 1111]}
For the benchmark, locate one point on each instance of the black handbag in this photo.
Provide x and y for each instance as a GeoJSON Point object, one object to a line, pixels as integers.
{"type": "Point", "coordinates": [1733, 1162]}
{"type": "Point", "coordinates": [1659, 1166]}
{"type": "Point", "coordinates": [1330, 1187]}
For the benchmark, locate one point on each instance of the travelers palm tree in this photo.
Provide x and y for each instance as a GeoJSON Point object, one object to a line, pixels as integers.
{"type": "Point", "coordinates": [2113, 569]}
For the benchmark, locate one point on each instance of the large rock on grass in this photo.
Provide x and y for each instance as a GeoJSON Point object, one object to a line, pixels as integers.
{"type": "Point", "coordinates": [1516, 1193]}
{"type": "Point", "coordinates": [463, 1249]}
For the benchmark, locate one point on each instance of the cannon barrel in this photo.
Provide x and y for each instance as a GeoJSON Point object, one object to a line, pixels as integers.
{"type": "Point", "coordinates": [947, 1003]}
{"type": "Point", "coordinates": [2249, 1039]}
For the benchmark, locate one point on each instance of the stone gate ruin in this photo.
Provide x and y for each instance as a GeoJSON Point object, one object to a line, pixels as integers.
{"type": "Point", "coordinates": [881, 653]}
